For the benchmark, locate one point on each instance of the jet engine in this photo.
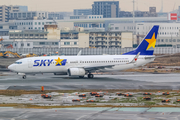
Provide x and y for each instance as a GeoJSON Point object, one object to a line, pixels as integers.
{"type": "Point", "coordinates": [76, 72]}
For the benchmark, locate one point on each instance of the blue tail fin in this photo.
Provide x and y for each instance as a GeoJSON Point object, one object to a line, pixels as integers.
{"type": "Point", "coordinates": [148, 44]}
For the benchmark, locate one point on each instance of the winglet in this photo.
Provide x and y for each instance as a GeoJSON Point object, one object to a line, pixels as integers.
{"type": "Point", "coordinates": [135, 58]}
{"type": "Point", "coordinates": [79, 53]}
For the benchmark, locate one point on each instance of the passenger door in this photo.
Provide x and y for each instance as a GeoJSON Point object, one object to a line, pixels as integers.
{"type": "Point", "coordinates": [30, 63]}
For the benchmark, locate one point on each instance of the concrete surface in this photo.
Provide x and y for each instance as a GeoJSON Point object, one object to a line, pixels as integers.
{"type": "Point", "coordinates": [121, 81]}
{"type": "Point", "coordinates": [89, 114]}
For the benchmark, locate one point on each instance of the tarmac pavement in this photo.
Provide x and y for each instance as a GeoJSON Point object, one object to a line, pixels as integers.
{"type": "Point", "coordinates": [89, 114]}
{"type": "Point", "coordinates": [123, 80]}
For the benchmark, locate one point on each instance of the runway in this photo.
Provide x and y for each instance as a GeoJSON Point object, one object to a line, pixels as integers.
{"type": "Point", "coordinates": [121, 81]}
{"type": "Point", "coordinates": [90, 114]}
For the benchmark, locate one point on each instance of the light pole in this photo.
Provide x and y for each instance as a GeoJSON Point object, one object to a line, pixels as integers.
{"type": "Point", "coordinates": [133, 11]}
{"type": "Point", "coordinates": [84, 44]}
{"type": "Point", "coordinates": [1, 41]}
{"type": "Point", "coordinates": [171, 39]}
{"type": "Point", "coordinates": [59, 46]}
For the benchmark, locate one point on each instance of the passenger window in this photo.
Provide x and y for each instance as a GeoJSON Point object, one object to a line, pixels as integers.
{"type": "Point", "coordinates": [18, 62]}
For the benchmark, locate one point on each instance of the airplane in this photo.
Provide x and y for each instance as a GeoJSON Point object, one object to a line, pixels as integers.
{"type": "Point", "coordinates": [85, 65]}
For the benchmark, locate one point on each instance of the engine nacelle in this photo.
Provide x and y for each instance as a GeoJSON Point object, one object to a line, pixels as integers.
{"type": "Point", "coordinates": [76, 72]}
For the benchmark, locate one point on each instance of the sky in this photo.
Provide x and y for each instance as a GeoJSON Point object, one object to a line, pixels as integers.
{"type": "Point", "coordinates": [69, 5]}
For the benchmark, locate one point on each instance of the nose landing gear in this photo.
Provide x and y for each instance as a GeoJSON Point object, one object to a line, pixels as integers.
{"type": "Point", "coordinates": [24, 76]}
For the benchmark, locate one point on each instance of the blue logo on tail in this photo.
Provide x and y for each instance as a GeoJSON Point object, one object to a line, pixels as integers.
{"type": "Point", "coordinates": [148, 44]}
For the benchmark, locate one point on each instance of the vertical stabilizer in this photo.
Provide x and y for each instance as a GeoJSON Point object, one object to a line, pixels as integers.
{"type": "Point", "coordinates": [148, 44]}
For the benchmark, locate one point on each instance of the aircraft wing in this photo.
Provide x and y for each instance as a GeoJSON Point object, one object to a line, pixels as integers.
{"type": "Point", "coordinates": [151, 57]}
{"type": "Point", "coordinates": [89, 68]}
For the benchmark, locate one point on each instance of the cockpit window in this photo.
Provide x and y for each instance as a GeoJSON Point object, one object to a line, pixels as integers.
{"type": "Point", "coordinates": [18, 62]}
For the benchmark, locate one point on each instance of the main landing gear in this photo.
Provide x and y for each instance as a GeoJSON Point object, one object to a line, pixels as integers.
{"type": "Point", "coordinates": [90, 76]}
{"type": "Point", "coordinates": [24, 76]}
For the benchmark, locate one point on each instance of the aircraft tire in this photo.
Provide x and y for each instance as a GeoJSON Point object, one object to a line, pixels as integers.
{"type": "Point", "coordinates": [24, 76]}
{"type": "Point", "coordinates": [90, 76]}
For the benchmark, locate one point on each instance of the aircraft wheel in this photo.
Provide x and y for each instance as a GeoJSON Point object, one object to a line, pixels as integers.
{"type": "Point", "coordinates": [24, 76]}
{"type": "Point", "coordinates": [90, 76]}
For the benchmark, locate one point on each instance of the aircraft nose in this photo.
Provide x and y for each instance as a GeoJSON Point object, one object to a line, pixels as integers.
{"type": "Point", "coordinates": [11, 67]}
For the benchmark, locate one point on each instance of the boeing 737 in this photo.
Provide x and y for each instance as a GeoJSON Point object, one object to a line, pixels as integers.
{"type": "Point", "coordinates": [86, 65]}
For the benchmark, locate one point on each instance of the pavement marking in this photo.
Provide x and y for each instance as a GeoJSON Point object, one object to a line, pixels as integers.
{"type": "Point", "coordinates": [81, 117]}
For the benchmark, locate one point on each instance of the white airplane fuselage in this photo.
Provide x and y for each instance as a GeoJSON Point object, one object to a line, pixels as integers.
{"type": "Point", "coordinates": [82, 65]}
{"type": "Point", "coordinates": [34, 65]}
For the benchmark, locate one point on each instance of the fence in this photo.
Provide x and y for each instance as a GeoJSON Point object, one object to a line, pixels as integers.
{"type": "Point", "coordinates": [86, 51]}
